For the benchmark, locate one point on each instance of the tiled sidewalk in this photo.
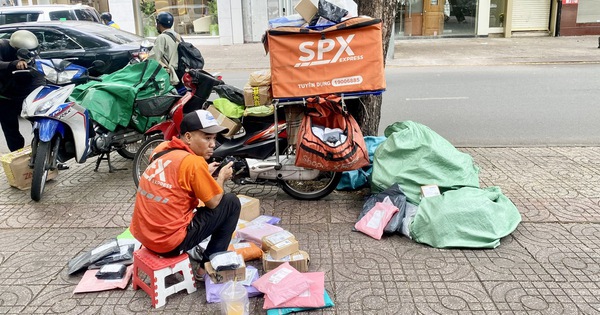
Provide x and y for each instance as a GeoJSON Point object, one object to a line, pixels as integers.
{"type": "Point", "coordinates": [549, 265]}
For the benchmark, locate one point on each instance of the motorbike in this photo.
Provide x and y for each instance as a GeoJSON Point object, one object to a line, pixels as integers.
{"type": "Point", "coordinates": [62, 129]}
{"type": "Point", "coordinates": [142, 54]}
{"type": "Point", "coordinates": [260, 153]}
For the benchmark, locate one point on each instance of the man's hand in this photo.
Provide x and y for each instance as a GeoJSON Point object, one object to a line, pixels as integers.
{"type": "Point", "coordinates": [212, 167]}
{"type": "Point", "coordinates": [21, 65]}
{"type": "Point", "coordinates": [225, 173]}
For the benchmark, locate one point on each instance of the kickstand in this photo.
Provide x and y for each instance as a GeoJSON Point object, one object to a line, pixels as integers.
{"type": "Point", "coordinates": [111, 169]}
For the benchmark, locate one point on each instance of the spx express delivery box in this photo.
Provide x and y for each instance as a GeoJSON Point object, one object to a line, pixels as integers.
{"type": "Point", "coordinates": [346, 57]}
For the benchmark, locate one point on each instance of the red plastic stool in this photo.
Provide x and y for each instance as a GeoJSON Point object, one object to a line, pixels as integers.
{"type": "Point", "coordinates": [158, 268]}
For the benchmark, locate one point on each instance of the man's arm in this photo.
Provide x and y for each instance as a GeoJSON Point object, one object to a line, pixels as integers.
{"type": "Point", "coordinates": [224, 174]}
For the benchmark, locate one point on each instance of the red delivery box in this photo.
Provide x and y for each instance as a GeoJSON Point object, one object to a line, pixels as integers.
{"type": "Point", "coordinates": [346, 57]}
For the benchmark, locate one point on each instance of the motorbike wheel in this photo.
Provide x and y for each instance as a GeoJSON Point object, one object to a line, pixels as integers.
{"type": "Point", "coordinates": [40, 170]}
{"type": "Point", "coordinates": [142, 157]}
{"type": "Point", "coordinates": [129, 150]}
{"type": "Point", "coordinates": [315, 189]}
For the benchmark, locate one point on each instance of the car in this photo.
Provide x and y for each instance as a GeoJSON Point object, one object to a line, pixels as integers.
{"type": "Point", "coordinates": [33, 13]}
{"type": "Point", "coordinates": [86, 41]}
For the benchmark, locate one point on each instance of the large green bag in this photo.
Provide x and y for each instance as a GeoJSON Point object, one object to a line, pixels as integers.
{"type": "Point", "coordinates": [414, 155]}
{"type": "Point", "coordinates": [111, 102]}
{"type": "Point", "coordinates": [467, 217]}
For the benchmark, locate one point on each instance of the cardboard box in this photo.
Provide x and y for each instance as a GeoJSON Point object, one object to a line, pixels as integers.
{"type": "Point", "coordinates": [269, 240]}
{"type": "Point", "coordinates": [16, 168]}
{"type": "Point", "coordinates": [250, 208]}
{"type": "Point", "coordinates": [225, 275]}
{"type": "Point", "coordinates": [260, 78]}
{"type": "Point", "coordinates": [338, 59]}
{"type": "Point", "coordinates": [284, 248]}
{"type": "Point", "coordinates": [299, 260]}
{"type": "Point", "coordinates": [307, 9]}
{"type": "Point", "coordinates": [234, 125]}
{"type": "Point", "coordinates": [257, 95]}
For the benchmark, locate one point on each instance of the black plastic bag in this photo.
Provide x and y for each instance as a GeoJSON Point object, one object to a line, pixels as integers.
{"type": "Point", "coordinates": [88, 258]}
{"type": "Point", "coordinates": [230, 92]}
{"type": "Point", "coordinates": [331, 11]}
{"type": "Point", "coordinates": [398, 198]}
{"type": "Point", "coordinates": [124, 256]}
{"type": "Point", "coordinates": [225, 261]}
{"type": "Point", "coordinates": [111, 272]}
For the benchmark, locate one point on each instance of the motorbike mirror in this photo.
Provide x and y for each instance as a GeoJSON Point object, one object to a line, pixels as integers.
{"type": "Point", "coordinates": [97, 64]}
{"type": "Point", "coordinates": [24, 54]}
{"type": "Point", "coordinates": [62, 65]}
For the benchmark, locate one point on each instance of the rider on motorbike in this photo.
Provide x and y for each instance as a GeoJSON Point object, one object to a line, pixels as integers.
{"type": "Point", "coordinates": [14, 88]}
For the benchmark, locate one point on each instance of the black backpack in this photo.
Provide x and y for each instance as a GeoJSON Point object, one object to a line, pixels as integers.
{"type": "Point", "coordinates": [189, 56]}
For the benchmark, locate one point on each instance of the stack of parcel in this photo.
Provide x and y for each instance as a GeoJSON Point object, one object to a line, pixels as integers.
{"type": "Point", "coordinates": [319, 58]}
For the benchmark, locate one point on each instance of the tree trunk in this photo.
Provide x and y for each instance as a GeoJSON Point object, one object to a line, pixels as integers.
{"type": "Point", "coordinates": [368, 111]}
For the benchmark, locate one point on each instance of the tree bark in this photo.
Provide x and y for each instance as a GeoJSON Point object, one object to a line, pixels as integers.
{"type": "Point", "coordinates": [368, 109]}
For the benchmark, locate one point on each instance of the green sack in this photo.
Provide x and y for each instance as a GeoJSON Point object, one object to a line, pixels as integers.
{"type": "Point", "coordinates": [467, 217]}
{"type": "Point", "coordinates": [228, 108]}
{"type": "Point", "coordinates": [260, 111]}
{"type": "Point", "coordinates": [111, 102]}
{"type": "Point", "coordinates": [414, 155]}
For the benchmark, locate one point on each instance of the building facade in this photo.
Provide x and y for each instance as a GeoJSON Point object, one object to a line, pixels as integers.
{"type": "Point", "coordinates": [227, 22]}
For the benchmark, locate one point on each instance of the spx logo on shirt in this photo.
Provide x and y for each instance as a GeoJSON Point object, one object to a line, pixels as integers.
{"type": "Point", "coordinates": [157, 168]}
{"type": "Point", "coordinates": [315, 55]}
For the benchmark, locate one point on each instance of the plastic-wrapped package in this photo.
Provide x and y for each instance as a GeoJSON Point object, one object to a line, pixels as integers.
{"type": "Point", "coordinates": [225, 261]}
{"type": "Point", "coordinates": [234, 299]}
{"type": "Point", "coordinates": [289, 310]}
{"type": "Point", "coordinates": [377, 218]}
{"type": "Point", "coordinates": [313, 297]}
{"type": "Point", "coordinates": [248, 250]}
{"type": "Point", "coordinates": [397, 198]}
{"type": "Point", "coordinates": [124, 256]}
{"type": "Point", "coordinates": [265, 219]}
{"type": "Point", "coordinates": [88, 258]}
{"type": "Point", "coordinates": [331, 11]}
{"type": "Point", "coordinates": [282, 284]}
{"type": "Point", "coordinates": [213, 289]}
{"type": "Point", "coordinates": [111, 272]}
{"type": "Point", "coordinates": [411, 211]}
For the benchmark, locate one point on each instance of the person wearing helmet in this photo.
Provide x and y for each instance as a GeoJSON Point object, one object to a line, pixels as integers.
{"type": "Point", "coordinates": [14, 87]}
{"type": "Point", "coordinates": [165, 48]}
{"type": "Point", "coordinates": [107, 20]}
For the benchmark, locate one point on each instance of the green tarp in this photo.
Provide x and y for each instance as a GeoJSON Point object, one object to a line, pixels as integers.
{"type": "Point", "coordinates": [111, 102]}
{"type": "Point", "coordinates": [414, 155]}
{"type": "Point", "coordinates": [467, 217]}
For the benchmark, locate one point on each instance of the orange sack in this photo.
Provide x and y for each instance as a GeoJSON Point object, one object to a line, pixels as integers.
{"type": "Point", "coordinates": [346, 57]}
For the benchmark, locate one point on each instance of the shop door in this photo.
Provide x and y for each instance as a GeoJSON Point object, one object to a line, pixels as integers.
{"type": "Point", "coordinates": [433, 17]}
{"type": "Point", "coordinates": [530, 15]}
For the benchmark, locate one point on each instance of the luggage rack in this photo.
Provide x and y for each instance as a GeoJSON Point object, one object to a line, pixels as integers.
{"type": "Point", "coordinates": [277, 102]}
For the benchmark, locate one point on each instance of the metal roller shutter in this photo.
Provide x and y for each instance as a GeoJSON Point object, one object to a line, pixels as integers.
{"type": "Point", "coordinates": [530, 15]}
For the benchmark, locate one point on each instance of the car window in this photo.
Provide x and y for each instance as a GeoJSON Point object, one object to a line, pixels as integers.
{"type": "Point", "coordinates": [20, 17]}
{"type": "Point", "coordinates": [86, 15]}
{"type": "Point", "coordinates": [52, 40]}
{"type": "Point", "coordinates": [62, 15]}
{"type": "Point", "coordinates": [111, 34]}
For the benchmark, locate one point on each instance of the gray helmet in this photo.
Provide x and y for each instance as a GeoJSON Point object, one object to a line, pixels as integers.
{"type": "Point", "coordinates": [165, 19]}
{"type": "Point", "coordinates": [24, 39]}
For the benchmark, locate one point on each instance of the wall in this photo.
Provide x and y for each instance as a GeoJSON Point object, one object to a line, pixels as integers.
{"type": "Point", "coordinates": [122, 13]}
{"type": "Point", "coordinates": [569, 25]}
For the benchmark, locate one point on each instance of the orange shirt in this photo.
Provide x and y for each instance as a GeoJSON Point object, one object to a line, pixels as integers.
{"type": "Point", "coordinates": [168, 194]}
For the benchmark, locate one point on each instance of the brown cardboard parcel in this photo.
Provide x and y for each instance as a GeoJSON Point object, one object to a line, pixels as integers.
{"type": "Point", "coordinates": [285, 248]}
{"type": "Point", "coordinates": [307, 9]}
{"type": "Point", "coordinates": [16, 168]}
{"type": "Point", "coordinates": [223, 276]}
{"type": "Point", "coordinates": [299, 260]}
{"type": "Point", "coordinates": [269, 240]}
{"type": "Point", "coordinates": [231, 124]}
{"type": "Point", "coordinates": [257, 95]}
{"type": "Point", "coordinates": [250, 208]}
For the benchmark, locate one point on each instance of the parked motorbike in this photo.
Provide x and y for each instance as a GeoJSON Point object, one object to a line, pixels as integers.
{"type": "Point", "coordinates": [142, 54]}
{"type": "Point", "coordinates": [62, 129]}
{"type": "Point", "coordinates": [260, 157]}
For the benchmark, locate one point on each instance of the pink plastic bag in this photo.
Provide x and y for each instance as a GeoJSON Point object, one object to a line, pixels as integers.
{"type": "Point", "coordinates": [282, 283]}
{"type": "Point", "coordinates": [376, 219]}
{"type": "Point", "coordinates": [313, 297]}
{"type": "Point", "coordinates": [255, 232]}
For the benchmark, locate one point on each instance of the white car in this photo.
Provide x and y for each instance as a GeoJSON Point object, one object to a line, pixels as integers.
{"type": "Point", "coordinates": [32, 13]}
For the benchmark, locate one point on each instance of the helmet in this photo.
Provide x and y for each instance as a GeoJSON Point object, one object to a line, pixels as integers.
{"type": "Point", "coordinates": [24, 39]}
{"type": "Point", "coordinates": [165, 19]}
{"type": "Point", "coordinates": [106, 16]}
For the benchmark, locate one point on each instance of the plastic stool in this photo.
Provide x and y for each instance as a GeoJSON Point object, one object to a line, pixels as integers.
{"type": "Point", "coordinates": [158, 268]}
